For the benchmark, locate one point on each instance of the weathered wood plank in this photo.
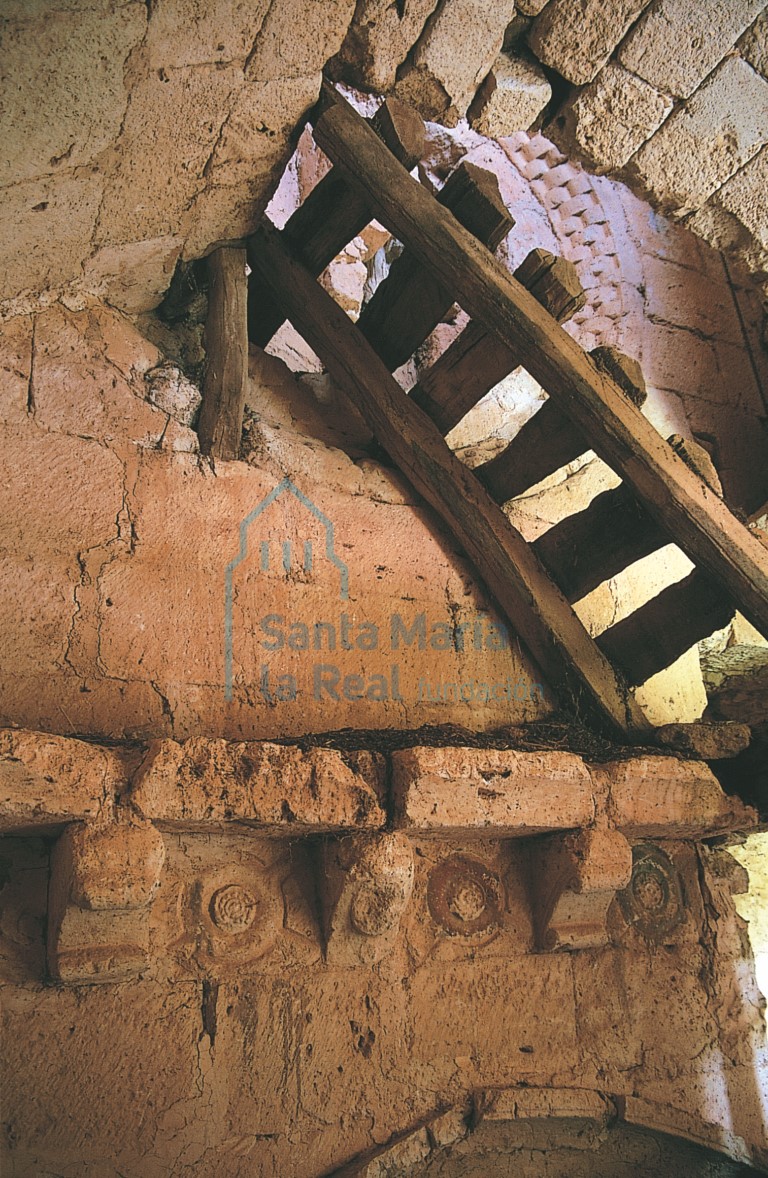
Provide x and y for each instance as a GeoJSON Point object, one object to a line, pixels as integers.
{"type": "Point", "coordinates": [657, 634]}
{"type": "Point", "coordinates": [333, 213]}
{"type": "Point", "coordinates": [410, 301]}
{"type": "Point", "coordinates": [532, 603]}
{"type": "Point", "coordinates": [226, 355]}
{"type": "Point", "coordinates": [696, 519]}
{"type": "Point", "coordinates": [587, 548]}
{"type": "Point", "coordinates": [477, 360]}
{"type": "Point", "coordinates": [550, 440]}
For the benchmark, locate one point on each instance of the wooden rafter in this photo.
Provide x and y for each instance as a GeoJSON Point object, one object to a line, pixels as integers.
{"type": "Point", "coordinates": [535, 606]}
{"type": "Point", "coordinates": [698, 521]}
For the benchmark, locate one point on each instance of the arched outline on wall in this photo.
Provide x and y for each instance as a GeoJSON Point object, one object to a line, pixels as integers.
{"type": "Point", "coordinates": [330, 552]}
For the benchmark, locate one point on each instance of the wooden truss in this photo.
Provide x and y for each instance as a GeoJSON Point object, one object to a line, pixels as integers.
{"type": "Point", "coordinates": [594, 404]}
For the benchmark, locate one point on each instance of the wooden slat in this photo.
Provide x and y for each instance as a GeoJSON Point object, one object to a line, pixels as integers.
{"type": "Point", "coordinates": [226, 355]}
{"type": "Point", "coordinates": [535, 607]}
{"type": "Point", "coordinates": [587, 548]}
{"type": "Point", "coordinates": [549, 440]}
{"type": "Point", "coordinates": [698, 521]}
{"type": "Point", "coordinates": [477, 360]}
{"type": "Point", "coordinates": [410, 302]}
{"type": "Point", "coordinates": [657, 634]}
{"type": "Point", "coordinates": [333, 213]}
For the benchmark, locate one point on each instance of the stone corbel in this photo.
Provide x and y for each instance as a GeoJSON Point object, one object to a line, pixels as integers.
{"type": "Point", "coordinates": [366, 885]}
{"type": "Point", "coordinates": [575, 878]}
{"type": "Point", "coordinates": [103, 879]}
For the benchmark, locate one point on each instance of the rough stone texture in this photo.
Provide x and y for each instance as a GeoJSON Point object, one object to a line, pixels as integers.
{"type": "Point", "coordinates": [753, 46]}
{"type": "Point", "coordinates": [513, 95]}
{"type": "Point", "coordinates": [174, 393]}
{"type": "Point", "coordinates": [605, 123]}
{"type": "Point", "coordinates": [103, 878]}
{"type": "Point", "coordinates": [705, 742]}
{"type": "Point", "coordinates": [367, 883]}
{"type": "Point", "coordinates": [452, 56]}
{"type": "Point", "coordinates": [702, 144]}
{"type": "Point", "coordinates": [379, 39]}
{"type": "Point", "coordinates": [169, 143]}
{"type": "Point", "coordinates": [661, 794]}
{"type": "Point", "coordinates": [576, 37]}
{"type": "Point", "coordinates": [273, 786]}
{"type": "Point", "coordinates": [733, 218]}
{"type": "Point", "coordinates": [46, 781]}
{"type": "Point", "coordinates": [468, 791]}
{"type": "Point", "coordinates": [678, 42]}
{"type": "Point", "coordinates": [578, 876]}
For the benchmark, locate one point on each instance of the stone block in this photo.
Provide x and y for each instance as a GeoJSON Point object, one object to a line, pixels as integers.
{"type": "Point", "coordinates": [733, 219]}
{"type": "Point", "coordinates": [46, 781]}
{"type": "Point", "coordinates": [575, 879]}
{"type": "Point", "coordinates": [706, 742]}
{"type": "Point", "coordinates": [53, 221]}
{"type": "Point", "coordinates": [452, 56]}
{"type": "Point", "coordinates": [605, 123]}
{"type": "Point", "coordinates": [103, 879]}
{"type": "Point", "coordinates": [576, 37]}
{"type": "Point", "coordinates": [366, 884]}
{"type": "Point", "coordinates": [174, 393]}
{"type": "Point", "coordinates": [662, 797]}
{"type": "Point", "coordinates": [678, 42]}
{"type": "Point", "coordinates": [702, 144]}
{"type": "Point", "coordinates": [278, 787]}
{"type": "Point", "coordinates": [753, 46]}
{"type": "Point", "coordinates": [476, 792]}
{"type": "Point", "coordinates": [77, 61]}
{"type": "Point", "coordinates": [379, 39]}
{"type": "Point", "coordinates": [512, 96]}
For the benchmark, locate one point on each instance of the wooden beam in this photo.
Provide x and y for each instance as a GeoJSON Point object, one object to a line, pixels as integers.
{"type": "Point", "coordinates": [680, 502]}
{"type": "Point", "coordinates": [549, 440]}
{"type": "Point", "coordinates": [477, 360]}
{"type": "Point", "coordinates": [410, 302]}
{"type": "Point", "coordinates": [657, 634]}
{"type": "Point", "coordinates": [587, 548]}
{"type": "Point", "coordinates": [226, 355]}
{"type": "Point", "coordinates": [334, 212]}
{"type": "Point", "coordinates": [532, 603]}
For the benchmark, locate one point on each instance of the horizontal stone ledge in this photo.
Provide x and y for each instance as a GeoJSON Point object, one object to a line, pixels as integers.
{"type": "Point", "coordinates": [280, 789]}
{"type": "Point", "coordinates": [664, 797]}
{"type": "Point", "coordinates": [49, 781]}
{"type": "Point", "coordinates": [493, 792]}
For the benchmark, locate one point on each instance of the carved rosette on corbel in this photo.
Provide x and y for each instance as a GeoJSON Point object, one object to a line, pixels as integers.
{"type": "Point", "coordinates": [366, 883]}
{"type": "Point", "coordinates": [103, 880]}
{"type": "Point", "coordinates": [576, 877]}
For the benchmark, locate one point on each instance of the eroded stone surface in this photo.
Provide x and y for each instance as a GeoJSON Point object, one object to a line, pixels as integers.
{"type": "Point", "coordinates": [46, 781]}
{"type": "Point", "coordinates": [511, 98]}
{"type": "Point", "coordinates": [473, 790]}
{"type": "Point", "coordinates": [273, 786]}
{"type": "Point", "coordinates": [682, 799]}
{"type": "Point", "coordinates": [577, 38]}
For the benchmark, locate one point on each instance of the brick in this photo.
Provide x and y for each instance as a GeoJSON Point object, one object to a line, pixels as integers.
{"type": "Point", "coordinates": [576, 37]}
{"type": "Point", "coordinates": [608, 121]}
{"type": "Point", "coordinates": [662, 797]}
{"type": "Point", "coordinates": [47, 781]}
{"type": "Point", "coordinates": [678, 42]}
{"type": "Point", "coordinates": [703, 144]}
{"type": "Point", "coordinates": [471, 791]}
{"type": "Point", "coordinates": [513, 95]}
{"type": "Point", "coordinates": [277, 787]}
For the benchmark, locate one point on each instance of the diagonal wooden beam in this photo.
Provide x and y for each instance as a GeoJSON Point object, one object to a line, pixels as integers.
{"type": "Point", "coordinates": [335, 211]}
{"type": "Point", "coordinates": [698, 521]}
{"type": "Point", "coordinates": [410, 302]}
{"type": "Point", "coordinates": [533, 604]}
{"type": "Point", "coordinates": [477, 360]}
